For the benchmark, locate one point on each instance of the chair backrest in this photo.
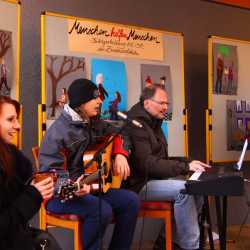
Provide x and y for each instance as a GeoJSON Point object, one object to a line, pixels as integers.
{"type": "Point", "coordinates": [35, 152]}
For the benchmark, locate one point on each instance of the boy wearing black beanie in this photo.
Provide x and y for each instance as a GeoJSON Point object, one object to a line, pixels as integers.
{"type": "Point", "coordinates": [73, 132]}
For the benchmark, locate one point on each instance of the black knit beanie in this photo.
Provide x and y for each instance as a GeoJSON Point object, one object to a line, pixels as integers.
{"type": "Point", "coordinates": [81, 91]}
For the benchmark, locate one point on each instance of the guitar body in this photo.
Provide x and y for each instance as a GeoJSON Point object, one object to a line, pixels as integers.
{"type": "Point", "coordinates": [109, 180]}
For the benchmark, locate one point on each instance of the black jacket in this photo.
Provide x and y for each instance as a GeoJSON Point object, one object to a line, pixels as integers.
{"type": "Point", "coordinates": [18, 204]}
{"type": "Point", "coordinates": [149, 153]}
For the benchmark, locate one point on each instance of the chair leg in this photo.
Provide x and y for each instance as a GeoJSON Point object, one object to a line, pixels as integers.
{"type": "Point", "coordinates": [168, 232]}
{"type": "Point", "coordinates": [42, 219]}
{"type": "Point", "coordinates": [77, 238]}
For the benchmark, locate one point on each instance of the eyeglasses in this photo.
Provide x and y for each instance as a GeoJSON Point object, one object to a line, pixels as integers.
{"type": "Point", "coordinates": [160, 103]}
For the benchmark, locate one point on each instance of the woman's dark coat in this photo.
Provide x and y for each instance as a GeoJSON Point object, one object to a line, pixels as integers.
{"type": "Point", "coordinates": [18, 204]}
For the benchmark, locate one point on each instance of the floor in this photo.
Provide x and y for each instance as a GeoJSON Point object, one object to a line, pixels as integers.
{"type": "Point", "coordinates": [238, 241]}
{"type": "Point", "coordinates": [235, 241]}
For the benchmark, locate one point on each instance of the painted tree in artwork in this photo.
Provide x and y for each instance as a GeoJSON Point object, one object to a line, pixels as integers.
{"type": "Point", "coordinates": [58, 70]}
{"type": "Point", "coordinates": [5, 42]}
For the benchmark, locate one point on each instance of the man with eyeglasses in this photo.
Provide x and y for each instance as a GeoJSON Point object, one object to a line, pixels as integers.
{"type": "Point", "coordinates": [152, 170]}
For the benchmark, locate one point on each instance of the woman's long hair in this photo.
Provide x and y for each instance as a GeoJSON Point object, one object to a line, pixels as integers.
{"type": "Point", "coordinates": [5, 152]}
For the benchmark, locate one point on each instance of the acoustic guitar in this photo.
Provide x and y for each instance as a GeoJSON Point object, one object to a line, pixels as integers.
{"type": "Point", "coordinates": [109, 180]}
{"type": "Point", "coordinates": [68, 189]}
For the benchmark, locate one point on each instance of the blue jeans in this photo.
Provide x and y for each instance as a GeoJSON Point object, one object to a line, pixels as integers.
{"type": "Point", "coordinates": [120, 203]}
{"type": "Point", "coordinates": [186, 209]}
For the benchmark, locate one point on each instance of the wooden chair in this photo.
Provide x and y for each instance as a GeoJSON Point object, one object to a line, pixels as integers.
{"type": "Point", "coordinates": [152, 209]}
{"type": "Point", "coordinates": [163, 210]}
{"type": "Point", "coordinates": [69, 221]}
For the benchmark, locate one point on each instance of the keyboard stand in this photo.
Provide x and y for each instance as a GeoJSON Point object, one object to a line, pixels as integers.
{"type": "Point", "coordinates": [206, 224]}
{"type": "Point", "coordinates": [221, 215]}
{"type": "Point", "coordinates": [219, 187]}
{"type": "Point", "coordinates": [222, 219]}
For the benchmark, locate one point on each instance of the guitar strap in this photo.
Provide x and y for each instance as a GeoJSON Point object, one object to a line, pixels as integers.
{"type": "Point", "coordinates": [77, 163]}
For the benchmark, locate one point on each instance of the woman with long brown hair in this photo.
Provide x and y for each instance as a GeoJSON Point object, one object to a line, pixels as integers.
{"type": "Point", "coordinates": [19, 199]}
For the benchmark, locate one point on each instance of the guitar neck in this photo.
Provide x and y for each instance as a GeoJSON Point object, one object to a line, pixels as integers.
{"type": "Point", "coordinates": [90, 179]}
{"type": "Point", "coordinates": [94, 176]}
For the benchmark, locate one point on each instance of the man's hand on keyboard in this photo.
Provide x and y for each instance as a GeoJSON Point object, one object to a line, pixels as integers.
{"type": "Point", "coordinates": [198, 166]}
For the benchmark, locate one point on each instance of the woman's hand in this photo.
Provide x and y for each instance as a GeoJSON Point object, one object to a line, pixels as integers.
{"type": "Point", "coordinates": [45, 187]}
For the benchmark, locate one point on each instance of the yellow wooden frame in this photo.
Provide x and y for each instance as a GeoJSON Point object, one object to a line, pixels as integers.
{"type": "Point", "coordinates": [42, 114]}
{"type": "Point", "coordinates": [11, 1]}
{"type": "Point", "coordinates": [208, 112]}
{"type": "Point", "coordinates": [185, 110]}
{"type": "Point", "coordinates": [18, 137]}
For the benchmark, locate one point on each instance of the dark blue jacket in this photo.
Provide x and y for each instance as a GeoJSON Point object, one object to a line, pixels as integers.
{"type": "Point", "coordinates": [74, 137]}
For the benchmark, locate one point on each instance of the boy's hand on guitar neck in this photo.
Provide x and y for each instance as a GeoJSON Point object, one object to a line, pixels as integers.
{"type": "Point", "coordinates": [83, 188]}
{"type": "Point", "coordinates": [121, 166]}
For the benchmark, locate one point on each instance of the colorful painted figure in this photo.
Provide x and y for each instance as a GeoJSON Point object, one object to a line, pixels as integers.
{"type": "Point", "coordinates": [63, 98]}
{"type": "Point", "coordinates": [163, 80]}
{"type": "Point", "coordinates": [3, 73]}
{"type": "Point", "coordinates": [113, 108]}
{"type": "Point", "coordinates": [219, 74]}
{"type": "Point", "coordinates": [99, 82]}
{"type": "Point", "coordinates": [230, 78]}
{"type": "Point", "coordinates": [148, 81]}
